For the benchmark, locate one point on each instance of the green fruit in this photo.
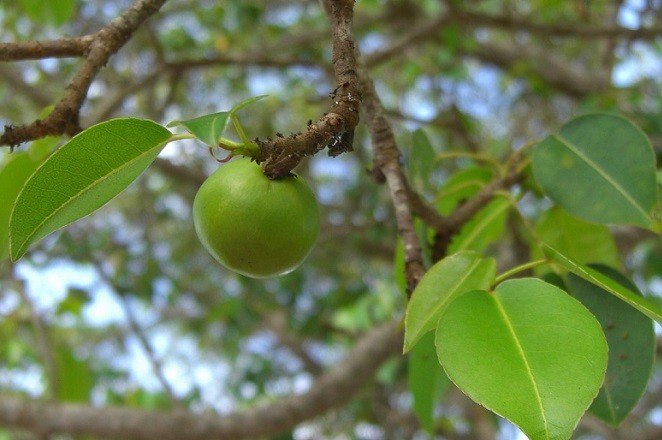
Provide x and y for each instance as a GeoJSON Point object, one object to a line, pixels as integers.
{"type": "Point", "coordinates": [254, 225]}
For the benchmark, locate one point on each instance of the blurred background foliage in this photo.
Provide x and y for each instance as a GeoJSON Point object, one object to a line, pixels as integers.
{"type": "Point", "coordinates": [125, 307]}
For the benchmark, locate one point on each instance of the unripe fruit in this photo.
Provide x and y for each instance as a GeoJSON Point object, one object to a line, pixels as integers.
{"type": "Point", "coordinates": [254, 225]}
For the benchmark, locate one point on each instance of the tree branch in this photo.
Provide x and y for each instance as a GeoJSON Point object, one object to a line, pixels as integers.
{"type": "Point", "coordinates": [64, 119]}
{"type": "Point", "coordinates": [464, 212]}
{"type": "Point", "coordinates": [335, 129]}
{"type": "Point", "coordinates": [333, 389]}
{"type": "Point", "coordinates": [37, 50]}
{"type": "Point", "coordinates": [388, 168]}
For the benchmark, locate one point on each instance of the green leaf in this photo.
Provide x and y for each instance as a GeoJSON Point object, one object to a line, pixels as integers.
{"type": "Point", "coordinates": [582, 241]}
{"type": "Point", "coordinates": [631, 339]}
{"type": "Point", "coordinates": [485, 227]}
{"type": "Point", "coordinates": [421, 160]}
{"type": "Point", "coordinates": [529, 352]}
{"type": "Point", "coordinates": [426, 379]}
{"type": "Point", "coordinates": [83, 175]}
{"type": "Point", "coordinates": [209, 128]}
{"type": "Point", "coordinates": [461, 186]}
{"type": "Point", "coordinates": [600, 168]}
{"type": "Point", "coordinates": [12, 178]}
{"type": "Point", "coordinates": [448, 278]}
{"type": "Point", "coordinates": [644, 305]}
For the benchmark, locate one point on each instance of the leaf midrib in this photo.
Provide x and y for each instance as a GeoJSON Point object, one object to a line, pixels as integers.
{"type": "Point", "coordinates": [527, 366]}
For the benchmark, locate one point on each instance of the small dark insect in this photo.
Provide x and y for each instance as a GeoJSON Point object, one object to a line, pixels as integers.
{"type": "Point", "coordinates": [280, 135]}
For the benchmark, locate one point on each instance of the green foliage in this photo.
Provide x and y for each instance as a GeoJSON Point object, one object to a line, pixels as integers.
{"type": "Point", "coordinates": [210, 129]}
{"type": "Point", "coordinates": [631, 339]}
{"type": "Point", "coordinates": [426, 380]}
{"type": "Point", "coordinates": [460, 186]}
{"type": "Point", "coordinates": [83, 175]}
{"type": "Point", "coordinates": [644, 305]}
{"type": "Point", "coordinates": [582, 241]}
{"type": "Point", "coordinates": [484, 228]}
{"type": "Point", "coordinates": [505, 343]}
{"type": "Point", "coordinates": [13, 175]}
{"type": "Point", "coordinates": [528, 352]}
{"type": "Point", "coordinates": [446, 280]}
{"type": "Point", "coordinates": [463, 101]}
{"type": "Point", "coordinates": [421, 160]}
{"type": "Point", "coordinates": [600, 168]}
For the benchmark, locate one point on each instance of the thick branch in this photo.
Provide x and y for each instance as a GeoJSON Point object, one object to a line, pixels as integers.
{"type": "Point", "coordinates": [332, 390]}
{"type": "Point", "coordinates": [37, 50]}
{"type": "Point", "coordinates": [64, 118]}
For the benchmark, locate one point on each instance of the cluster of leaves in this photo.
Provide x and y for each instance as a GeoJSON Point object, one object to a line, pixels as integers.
{"type": "Point", "coordinates": [538, 352]}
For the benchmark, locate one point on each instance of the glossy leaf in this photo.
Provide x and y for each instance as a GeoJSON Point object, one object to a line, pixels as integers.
{"type": "Point", "coordinates": [450, 277]}
{"type": "Point", "coordinates": [529, 352]}
{"type": "Point", "coordinates": [12, 178]}
{"type": "Point", "coordinates": [83, 175]}
{"type": "Point", "coordinates": [644, 305]}
{"type": "Point", "coordinates": [600, 168]}
{"type": "Point", "coordinates": [582, 241]}
{"type": "Point", "coordinates": [631, 339]}
{"type": "Point", "coordinates": [486, 226]}
{"type": "Point", "coordinates": [426, 379]}
{"type": "Point", "coordinates": [210, 128]}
